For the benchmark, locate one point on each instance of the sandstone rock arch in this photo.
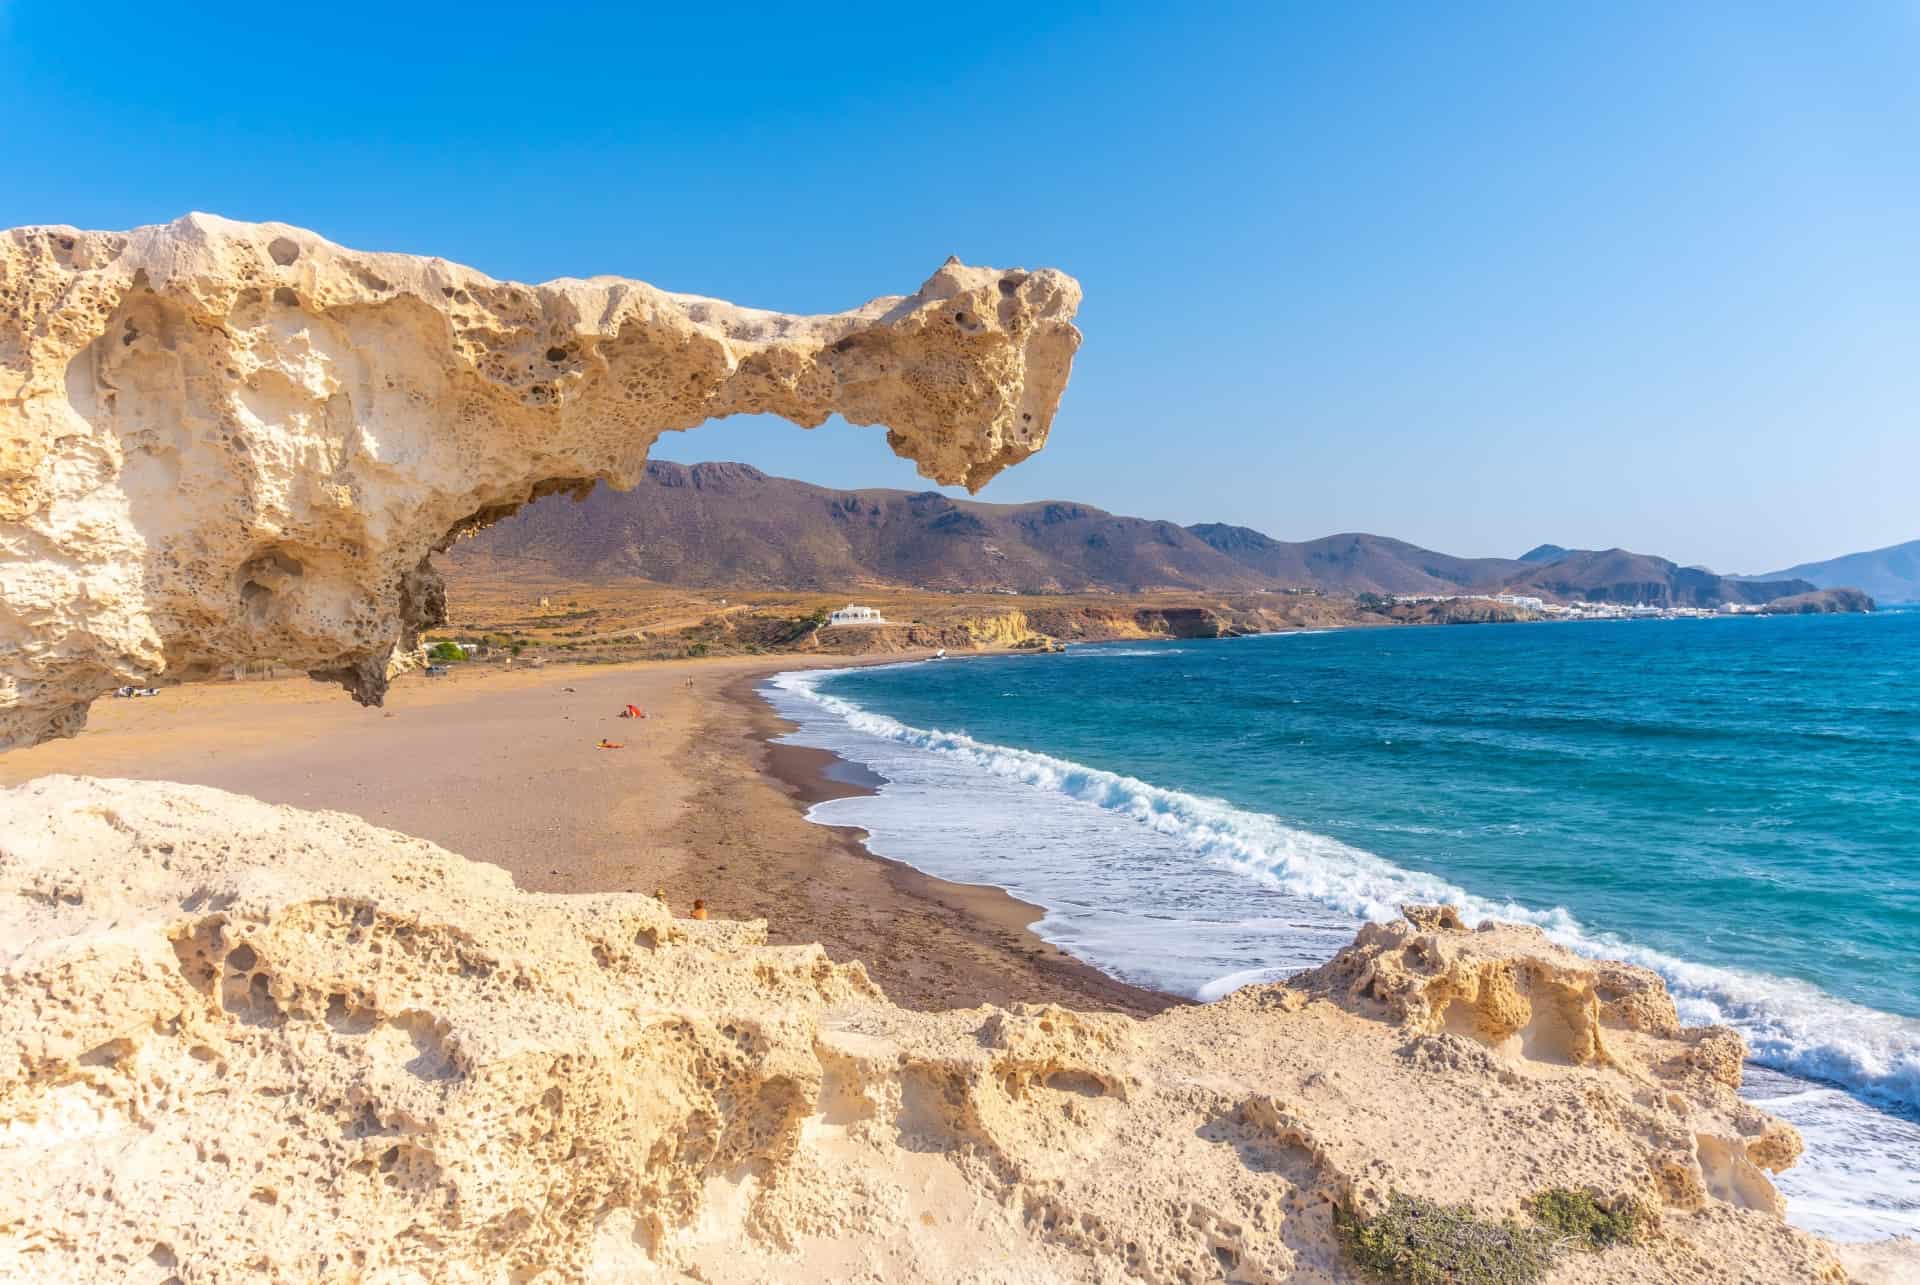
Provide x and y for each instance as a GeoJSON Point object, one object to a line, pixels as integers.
{"type": "Point", "coordinates": [223, 442]}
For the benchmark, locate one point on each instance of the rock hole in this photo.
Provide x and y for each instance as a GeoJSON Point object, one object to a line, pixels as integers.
{"type": "Point", "coordinates": [255, 597]}
{"type": "Point", "coordinates": [242, 959]}
{"type": "Point", "coordinates": [1087, 1086]}
{"type": "Point", "coordinates": [108, 1054]}
{"type": "Point", "coordinates": [284, 295]}
{"type": "Point", "coordinates": [346, 1017]}
{"type": "Point", "coordinates": [283, 250]}
{"type": "Point", "coordinates": [556, 355]}
{"type": "Point", "coordinates": [196, 951]}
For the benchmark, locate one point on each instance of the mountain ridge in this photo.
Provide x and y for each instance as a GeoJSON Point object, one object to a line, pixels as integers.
{"type": "Point", "coordinates": [1891, 574]}
{"type": "Point", "coordinates": [725, 524]}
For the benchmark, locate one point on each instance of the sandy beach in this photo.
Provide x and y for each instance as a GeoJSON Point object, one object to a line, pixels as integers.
{"type": "Point", "coordinates": [501, 765]}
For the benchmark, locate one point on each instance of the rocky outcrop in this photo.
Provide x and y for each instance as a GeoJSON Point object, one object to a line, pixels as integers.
{"type": "Point", "coordinates": [1458, 611]}
{"type": "Point", "coordinates": [1506, 989]}
{"type": "Point", "coordinates": [1821, 602]}
{"type": "Point", "coordinates": [224, 442]}
{"type": "Point", "coordinates": [246, 1042]}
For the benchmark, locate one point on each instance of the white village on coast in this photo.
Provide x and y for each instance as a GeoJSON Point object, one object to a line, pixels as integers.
{"type": "Point", "coordinates": [1582, 610]}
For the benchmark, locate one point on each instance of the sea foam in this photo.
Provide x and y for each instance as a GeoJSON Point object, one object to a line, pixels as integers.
{"type": "Point", "coordinates": [1790, 1025]}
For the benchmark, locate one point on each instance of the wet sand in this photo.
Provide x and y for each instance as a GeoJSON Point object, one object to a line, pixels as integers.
{"type": "Point", "coordinates": [930, 942]}
{"type": "Point", "coordinates": [501, 766]}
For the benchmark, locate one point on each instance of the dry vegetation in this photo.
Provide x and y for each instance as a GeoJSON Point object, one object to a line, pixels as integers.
{"type": "Point", "coordinates": [574, 621]}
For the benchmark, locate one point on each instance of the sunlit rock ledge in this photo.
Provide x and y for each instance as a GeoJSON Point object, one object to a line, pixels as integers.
{"type": "Point", "coordinates": [243, 1041]}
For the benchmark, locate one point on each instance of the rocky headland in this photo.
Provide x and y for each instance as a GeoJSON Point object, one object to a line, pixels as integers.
{"type": "Point", "coordinates": [1821, 602]}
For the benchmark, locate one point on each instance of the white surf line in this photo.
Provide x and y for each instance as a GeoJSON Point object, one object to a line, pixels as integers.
{"type": "Point", "coordinates": [1789, 1024]}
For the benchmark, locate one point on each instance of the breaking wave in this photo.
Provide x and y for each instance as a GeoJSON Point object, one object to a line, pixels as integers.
{"type": "Point", "coordinates": [1790, 1025]}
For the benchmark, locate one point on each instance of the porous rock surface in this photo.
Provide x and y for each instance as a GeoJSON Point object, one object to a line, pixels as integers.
{"type": "Point", "coordinates": [246, 1042]}
{"type": "Point", "coordinates": [224, 442]}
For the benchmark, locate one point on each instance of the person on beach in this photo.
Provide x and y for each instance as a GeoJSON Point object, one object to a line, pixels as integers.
{"type": "Point", "coordinates": [699, 908]}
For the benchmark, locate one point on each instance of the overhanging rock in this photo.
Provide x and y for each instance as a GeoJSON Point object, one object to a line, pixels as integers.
{"type": "Point", "coordinates": [223, 442]}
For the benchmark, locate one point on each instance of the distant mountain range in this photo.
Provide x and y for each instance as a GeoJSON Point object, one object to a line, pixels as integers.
{"type": "Point", "coordinates": [1889, 575]}
{"type": "Point", "coordinates": [721, 525]}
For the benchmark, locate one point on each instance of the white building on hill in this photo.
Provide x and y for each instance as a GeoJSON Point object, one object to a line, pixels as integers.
{"type": "Point", "coordinates": [852, 615]}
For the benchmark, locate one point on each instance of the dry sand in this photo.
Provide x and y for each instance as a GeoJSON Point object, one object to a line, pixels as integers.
{"type": "Point", "coordinates": [501, 766]}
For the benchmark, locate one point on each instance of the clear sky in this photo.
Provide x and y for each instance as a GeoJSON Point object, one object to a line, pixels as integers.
{"type": "Point", "coordinates": [1474, 275]}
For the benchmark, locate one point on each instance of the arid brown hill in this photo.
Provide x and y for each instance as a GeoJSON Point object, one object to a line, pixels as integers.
{"type": "Point", "coordinates": [1357, 562]}
{"type": "Point", "coordinates": [1614, 575]}
{"type": "Point", "coordinates": [732, 525]}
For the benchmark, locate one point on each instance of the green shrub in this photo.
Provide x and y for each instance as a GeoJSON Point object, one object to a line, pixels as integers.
{"type": "Point", "coordinates": [697, 649]}
{"type": "Point", "coordinates": [1578, 1217]}
{"type": "Point", "coordinates": [800, 628]}
{"type": "Point", "coordinates": [1422, 1242]}
{"type": "Point", "coordinates": [446, 651]}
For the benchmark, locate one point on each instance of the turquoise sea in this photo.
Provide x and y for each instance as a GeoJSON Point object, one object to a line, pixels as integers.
{"type": "Point", "coordinates": [1734, 803]}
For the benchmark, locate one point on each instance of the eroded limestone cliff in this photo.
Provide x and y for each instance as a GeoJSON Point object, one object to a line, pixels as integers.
{"type": "Point", "coordinates": [246, 1042]}
{"type": "Point", "coordinates": [223, 442]}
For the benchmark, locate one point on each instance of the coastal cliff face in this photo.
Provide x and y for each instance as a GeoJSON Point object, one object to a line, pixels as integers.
{"type": "Point", "coordinates": [243, 1041]}
{"type": "Point", "coordinates": [225, 442]}
{"type": "Point", "coordinates": [1821, 602]}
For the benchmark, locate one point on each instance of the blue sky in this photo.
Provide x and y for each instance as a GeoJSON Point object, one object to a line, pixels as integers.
{"type": "Point", "coordinates": [1473, 275]}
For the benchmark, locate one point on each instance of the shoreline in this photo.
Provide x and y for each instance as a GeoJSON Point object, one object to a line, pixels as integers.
{"type": "Point", "coordinates": [987, 914]}
{"type": "Point", "coordinates": [1836, 1153]}
{"type": "Point", "coordinates": [702, 803]}
{"type": "Point", "coordinates": [501, 765]}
